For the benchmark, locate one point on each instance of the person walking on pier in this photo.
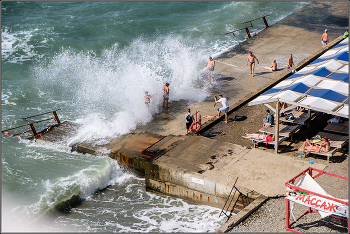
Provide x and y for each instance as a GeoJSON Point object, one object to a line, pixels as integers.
{"type": "Point", "coordinates": [224, 104]}
{"type": "Point", "coordinates": [211, 64]}
{"type": "Point", "coordinates": [189, 120]}
{"type": "Point", "coordinates": [166, 94]}
{"type": "Point", "coordinates": [325, 38]}
{"type": "Point", "coordinates": [251, 60]}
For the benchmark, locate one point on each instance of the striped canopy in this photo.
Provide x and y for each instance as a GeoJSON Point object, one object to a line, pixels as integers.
{"type": "Point", "coordinates": [323, 85]}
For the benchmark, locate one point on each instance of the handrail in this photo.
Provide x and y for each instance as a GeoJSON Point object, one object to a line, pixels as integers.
{"type": "Point", "coordinates": [254, 19]}
{"type": "Point", "coordinates": [39, 114]}
{"type": "Point", "coordinates": [222, 211]}
{"type": "Point", "coordinates": [251, 25]}
{"type": "Point", "coordinates": [31, 125]}
{"type": "Point", "coordinates": [27, 124]}
{"type": "Point", "coordinates": [236, 30]}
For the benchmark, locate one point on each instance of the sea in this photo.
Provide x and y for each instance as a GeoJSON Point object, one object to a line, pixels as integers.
{"type": "Point", "coordinates": [93, 61]}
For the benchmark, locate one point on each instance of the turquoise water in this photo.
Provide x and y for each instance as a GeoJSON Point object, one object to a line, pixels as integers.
{"type": "Point", "coordinates": [94, 60]}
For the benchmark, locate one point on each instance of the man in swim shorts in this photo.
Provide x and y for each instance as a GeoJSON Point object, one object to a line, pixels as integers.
{"type": "Point", "coordinates": [166, 94]}
{"type": "Point", "coordinates": [290, 61]}
{"type": "Point", "coordinates": [325, 38]}
{"type": "Point", "coordinates": [251, 60]}
{"type": "Point", "coordinates": [224, 104]}
{"type": "Point", "coordinates": [211, 64]}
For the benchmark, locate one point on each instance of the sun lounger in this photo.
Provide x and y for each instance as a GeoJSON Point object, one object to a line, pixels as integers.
{"type": "Point", "coordinates": [257, 141]}
{"type": "Point", "coordinates": [300, 118]}
{"type": "Point", "coordinates": [329, 154]}
{"type": "Point", "coordinates": [338, 127]}
{"type": "Point", "coordinates": [284, 130]}
{"type": "Point", "coordinates": [336, 142]}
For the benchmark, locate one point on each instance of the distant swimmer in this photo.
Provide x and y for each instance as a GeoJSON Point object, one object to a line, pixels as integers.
{"type": "Point", "coordinates": [251, 60]}
{"type": "Point", "coordinates": [211, 64]}
{"type": "Point", "coordinates": [273, 66]}
{"type": "Point", "coordinates": [324, 38]}
{"type": "Point", "coordinates": [147, 99]}
{"type": "Point", "coordinates": [166, 94]}
{"type": "Point", "coordinates": [290, 61]}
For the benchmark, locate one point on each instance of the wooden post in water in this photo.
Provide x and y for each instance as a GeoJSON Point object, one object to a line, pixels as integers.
{"type": "Point", "coordinates": [33, 130]}
{"type": "Point", "coordinates": [265, 22]}
{"type": "Point", "coordinates": [56, 117]}
{"type": "Point", "coordinates": [247, 30]}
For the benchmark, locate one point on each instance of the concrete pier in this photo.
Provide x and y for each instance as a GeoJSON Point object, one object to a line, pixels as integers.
{"type": "Point", "coordinates": [203, 170]}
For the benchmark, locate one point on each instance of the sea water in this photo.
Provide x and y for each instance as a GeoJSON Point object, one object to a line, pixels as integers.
{"type": "Point", "coordinates": [94, 61]}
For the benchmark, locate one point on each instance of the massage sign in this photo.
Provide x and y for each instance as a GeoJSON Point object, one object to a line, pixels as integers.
{"type": "Point", "coordinates": [318, 203]}
{"type": "Point", "coordinates": [306, 191]}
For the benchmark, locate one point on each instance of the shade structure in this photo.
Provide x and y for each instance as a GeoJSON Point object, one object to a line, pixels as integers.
{"type": "Point", "coordinates": [323, 85]}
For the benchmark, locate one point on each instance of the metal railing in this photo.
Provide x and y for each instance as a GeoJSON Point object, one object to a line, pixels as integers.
{"type": "Point", "coordinates": [229, 198]}
{"type": "Point", "coordinates": [30, 126]}
{"type": "Point", "coordinates": [251, 25]}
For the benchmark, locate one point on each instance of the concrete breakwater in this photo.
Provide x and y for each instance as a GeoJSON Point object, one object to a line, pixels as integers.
{"type": "Point", "coordinates": [203, 170]}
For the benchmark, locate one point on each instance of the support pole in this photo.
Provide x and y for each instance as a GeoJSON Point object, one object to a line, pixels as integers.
{"type": "Point", "coordinates": [56, 117]}
{"type": "Point", "coordinates": [247, 30]}
{"type": "Point", "coordinates": [266, 25]}
{"type": "Point", "coordinates": [277, 126]}
{"type": "Point", "coordinates": [33, 130]}
{"type": "Point", "coordinates": [309, 115]}
{"type": "Point", "coordinates": [287, 213]}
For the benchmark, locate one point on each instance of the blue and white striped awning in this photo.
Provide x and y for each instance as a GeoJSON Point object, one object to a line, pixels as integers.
{"type": "Point", "coordinates": [323, 85]}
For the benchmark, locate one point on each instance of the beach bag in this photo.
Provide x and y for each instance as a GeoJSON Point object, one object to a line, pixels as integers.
{"type": "Point", "coordinates": [189, 118]}
{"type": "Point", "coordinates": [316, 139]}
{"type": "Point", "coordinates": [290, 116]}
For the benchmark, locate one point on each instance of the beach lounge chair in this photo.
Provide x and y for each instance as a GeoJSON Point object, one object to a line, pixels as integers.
{"type": "Point", "coordinates": [257, 141]}
{"type": "Point", "coordinates": [338, 127]}
{"type": "Point", "coordinates": [300, 118]}
{"type": "Point", "coordinates": [284, 130]}
{"type": "Point", "coordinates": [336, 141]}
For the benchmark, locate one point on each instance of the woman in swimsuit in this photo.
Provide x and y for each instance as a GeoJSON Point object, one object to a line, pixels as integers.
{"type": "Point", "coordinates": [273, 66]}
{"type": "Point", "coordinates": [260, 137]}
{"type": "Point", "coordinates": [323, 147]}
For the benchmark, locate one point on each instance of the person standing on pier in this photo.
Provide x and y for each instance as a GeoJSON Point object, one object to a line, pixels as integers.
{"type": "Point", "coordinates": [166, 94]}
{"type": "Point", "coordinates": [189, 120]}
{"type": "Point", "coordinates": [325, 38]}
{"type": "Point", "coordinates": [224, 104]}
{"type": "Point", "coordinates": [251, 60]}
{"type": "Point", "coordinates": [211, 64]}
{"type": "Point", "coordinates": [147, 99]}
{"type": "Point", "coordinates": [290, 61]}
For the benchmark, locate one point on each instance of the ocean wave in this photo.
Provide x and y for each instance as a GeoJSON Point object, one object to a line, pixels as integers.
{"type": "Point", "coordinates": [107, 90]}
{"type": "Point", "coordinates": [65, 192]}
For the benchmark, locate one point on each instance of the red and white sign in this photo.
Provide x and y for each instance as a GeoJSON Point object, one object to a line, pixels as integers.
{"type": "Point", "coordinates": [318, 203]}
